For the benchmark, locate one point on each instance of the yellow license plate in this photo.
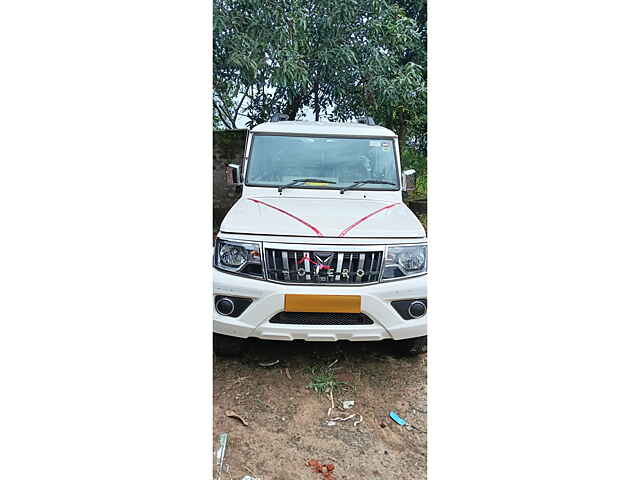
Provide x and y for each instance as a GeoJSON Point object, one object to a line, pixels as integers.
{"type": "Point", "coordinates": [322, 303]}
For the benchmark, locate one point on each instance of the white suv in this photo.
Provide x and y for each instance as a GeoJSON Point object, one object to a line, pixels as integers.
{"type": "Point", "coordinates": [320, 247]}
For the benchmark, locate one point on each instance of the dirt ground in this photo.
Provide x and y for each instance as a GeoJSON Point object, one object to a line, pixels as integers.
{"type": "Point", "coordinates": [287, 422]}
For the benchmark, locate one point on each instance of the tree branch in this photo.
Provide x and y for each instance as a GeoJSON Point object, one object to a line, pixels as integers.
{"type": "Point", "coordinates": [222, 116]}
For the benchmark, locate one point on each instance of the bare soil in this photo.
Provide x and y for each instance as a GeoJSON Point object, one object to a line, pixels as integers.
{"type": "Point", "coordinates": [287, 422]}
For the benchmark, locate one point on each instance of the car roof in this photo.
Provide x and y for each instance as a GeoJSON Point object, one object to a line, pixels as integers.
{"type": "Point", "coordinates": [305, 127]}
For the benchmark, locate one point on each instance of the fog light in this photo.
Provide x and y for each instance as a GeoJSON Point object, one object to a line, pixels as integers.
{"type": "Point", "coordinates": [411, 309]}
{"type": "Point", "coordinates": [231, 306]}
{"type": "Point", "coordinates": [417, 309]}
{"type": "Point", "coordinates": [225, 306]}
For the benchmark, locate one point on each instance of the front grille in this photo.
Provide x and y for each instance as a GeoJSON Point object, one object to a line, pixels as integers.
{"type": "Point", "coordinates": [298, 318]}
{"type": "Point", "coordinates": [334, 268]}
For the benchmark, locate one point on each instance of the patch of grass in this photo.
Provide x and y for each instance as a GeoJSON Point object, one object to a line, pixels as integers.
{"type": "Point", "coordinates": [323, 380]}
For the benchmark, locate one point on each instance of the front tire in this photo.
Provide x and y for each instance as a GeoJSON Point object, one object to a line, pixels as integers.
{"type": "Point", "coordinates": [410, 347]}
{"type": "Point", "coordinates": [227, 346]}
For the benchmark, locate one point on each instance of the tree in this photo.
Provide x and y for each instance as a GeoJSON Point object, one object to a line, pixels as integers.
{"type": "Point", "coordinates": [396, 95]}
{"type": "Point", "coordinates": [352, 56]}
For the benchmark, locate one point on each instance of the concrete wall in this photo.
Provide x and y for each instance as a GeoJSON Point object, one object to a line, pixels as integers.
{"type": "Point", "coordinates": [228, 147]}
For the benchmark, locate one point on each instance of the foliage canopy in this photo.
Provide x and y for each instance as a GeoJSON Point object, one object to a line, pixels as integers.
{"type": "Point", "coordinates": [340, 59]}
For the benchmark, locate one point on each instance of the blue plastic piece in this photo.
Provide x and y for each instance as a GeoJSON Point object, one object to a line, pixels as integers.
{"type": "Point", "coordinates": [394, 416]}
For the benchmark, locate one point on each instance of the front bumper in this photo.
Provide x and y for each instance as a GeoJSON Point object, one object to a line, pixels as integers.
{"type": "Point", "coordinates": [268, 300]}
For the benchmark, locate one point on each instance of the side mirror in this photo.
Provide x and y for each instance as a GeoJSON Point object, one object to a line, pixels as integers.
{"type": "Point", "coordinates": [408, 180]}
{"type": "Point", "coordinates": [232, 172]}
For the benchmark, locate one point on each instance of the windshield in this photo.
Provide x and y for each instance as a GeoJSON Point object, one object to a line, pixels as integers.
{"type": "Point", "coordinates": [278, 160]}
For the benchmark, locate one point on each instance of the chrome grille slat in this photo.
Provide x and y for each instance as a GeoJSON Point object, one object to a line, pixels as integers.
{"type": "Point", "coordinates": [343, 267]}
{"type": "Point", "coordinates": [275, 265]}
{"type": "Point", "coordinates": [307, 265]}
{"type": "Point", "coordinates": [285, 265]}
{"type": "Point", "coordinates": [373, 268]}
{"type": "Point", "coordinates": [360, 267]}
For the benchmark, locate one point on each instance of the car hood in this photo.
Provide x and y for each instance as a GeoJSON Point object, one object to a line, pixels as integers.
{"type": "Point", "coordinates": [322, 217]}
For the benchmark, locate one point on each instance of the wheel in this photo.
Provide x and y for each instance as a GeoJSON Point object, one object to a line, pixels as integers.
{"type": "Point", "coordinates": [410, 347]}
{"type": "Point", "coordinates": [227, 346]}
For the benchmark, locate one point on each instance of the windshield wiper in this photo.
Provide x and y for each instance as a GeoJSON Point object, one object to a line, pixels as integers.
{"type": "Point", "coordinates": [300, 180]}
{"type": "Point", "coordinates": [364, 182]}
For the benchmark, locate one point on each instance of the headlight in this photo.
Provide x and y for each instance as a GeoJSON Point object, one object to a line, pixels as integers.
{"type": "Point", "coordinates": [238, 257]}
{"type": "Point", "coordinates": [405, 262]}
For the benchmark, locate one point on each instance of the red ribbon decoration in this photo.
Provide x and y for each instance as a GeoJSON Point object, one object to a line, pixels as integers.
{"type": "Point", "coordinates": [351, 227]}
{"type": "Point", "coordinates": [317, 232]}
{"type": "Point", "coordinates": [321, 265]}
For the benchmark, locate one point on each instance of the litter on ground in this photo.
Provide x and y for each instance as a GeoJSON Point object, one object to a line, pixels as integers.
{"type": "Point", "coordinates": [232, 414]}
{"type": "Point", "coordinates": [396, 418]}
{"type": "Point", "coordinates": [400, 421]}
{"type": "Point", "coordinates": [344, 419]}
{"type": "Point", "coordinates": [222, 447]}
{"type": "Point", "coordinates": [326, 469]}
{"type": "Point", "coordinates": [269, 364]}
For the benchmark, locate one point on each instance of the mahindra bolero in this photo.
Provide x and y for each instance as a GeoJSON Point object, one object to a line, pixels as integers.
{"type": "Point", "coordinates": [320, 246]}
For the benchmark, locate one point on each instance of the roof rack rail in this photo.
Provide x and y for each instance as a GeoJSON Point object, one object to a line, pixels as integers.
{"type": "Point", "coordinates": [366, 121]}
{"type": "Point", "coordinates": [279, 117]}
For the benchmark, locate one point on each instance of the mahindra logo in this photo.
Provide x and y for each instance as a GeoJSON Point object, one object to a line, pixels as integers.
{"type": "Point", "coordinates": [324, 259]}
{"type": "Point", "coordinates": [321, 264]}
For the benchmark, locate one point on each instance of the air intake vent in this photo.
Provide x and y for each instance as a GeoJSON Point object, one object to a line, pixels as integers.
{"type": "Point", "coordinates": [299, 318]}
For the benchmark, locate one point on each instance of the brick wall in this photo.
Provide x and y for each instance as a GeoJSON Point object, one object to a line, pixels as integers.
{"type": "Point", "coordinates": [228, 147]}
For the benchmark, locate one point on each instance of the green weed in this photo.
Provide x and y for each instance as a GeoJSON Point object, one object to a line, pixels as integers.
{"type": "Point", "coordinates": [323, 380]}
